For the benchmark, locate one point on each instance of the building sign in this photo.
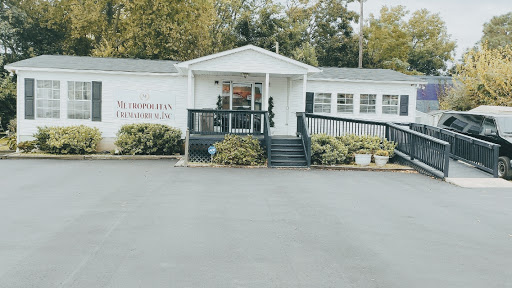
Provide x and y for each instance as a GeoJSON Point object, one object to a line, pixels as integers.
{"type": "Point", "coordinates": [144, 105]}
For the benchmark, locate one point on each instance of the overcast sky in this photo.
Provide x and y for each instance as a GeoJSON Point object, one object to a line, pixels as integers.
{"type": "Point", "coordinates": [464, 18]}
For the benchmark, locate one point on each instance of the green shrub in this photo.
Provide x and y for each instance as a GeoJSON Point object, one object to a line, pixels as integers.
{"type": "Point", "coordinates": [27, 146]}
{"type": "Point", "coordinates": [11, 142]}
{"type": "Point", "coordinates": [148, 139]}
{"type": "Point", "coordinates": [68, 140]}
{"type": "Point", "coordinates": [12, 126]}
{"type": "Point", "coordinates": [237, 150]}
{"type": "Point", "coordinates": [389, 146]}
{"type": "Point", "coordinates": [369, 143]}
{"type": "Point", "coordinates": [327, 150]}
{"type": "Point", "coordinates": [42, 136]}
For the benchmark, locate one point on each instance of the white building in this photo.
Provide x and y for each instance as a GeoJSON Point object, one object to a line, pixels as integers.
{"type": "Point", "coordinates": [107, 93]}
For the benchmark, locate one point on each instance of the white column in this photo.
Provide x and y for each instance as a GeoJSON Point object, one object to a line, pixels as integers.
{"type": "Point", "coordinates": [304, 90]}
{"type": "Point", "coordinates": [190, 102]}
{"type": "Point", "coordinates": [267, 85]}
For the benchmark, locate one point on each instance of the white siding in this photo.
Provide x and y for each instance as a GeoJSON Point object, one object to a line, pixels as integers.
{"type": "Point", "coordinates": [249, 61]}
{"type": "Point", "coordinates": [335, 87]}
{"type": "Point", "coordinates": [113, 86]}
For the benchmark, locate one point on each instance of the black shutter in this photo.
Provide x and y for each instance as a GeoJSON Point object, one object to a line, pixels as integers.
{"type": "Point", "coordinates": [29, 98]}
{"type": "Point", "coordinates": [96, 101]}
{"type": "Point", "coordinates": [404, 105]}
{"type": "Point", "coordinates": [309, 102]}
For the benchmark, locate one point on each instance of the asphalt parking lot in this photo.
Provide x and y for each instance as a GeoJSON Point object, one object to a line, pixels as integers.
{"type": "Point", "coordinates": [148, 224]}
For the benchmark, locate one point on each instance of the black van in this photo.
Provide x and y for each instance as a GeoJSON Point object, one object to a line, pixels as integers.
{"type": "Point", "coordinates": [495, 128]}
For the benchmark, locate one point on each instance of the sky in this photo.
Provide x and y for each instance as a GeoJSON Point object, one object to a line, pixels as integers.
{"type": "Point", "coordinates": [464, 18]}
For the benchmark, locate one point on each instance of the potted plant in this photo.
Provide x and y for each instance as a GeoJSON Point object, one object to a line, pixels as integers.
{"type": "Point", "coordinates": [381, 157]}
{"type": "Point", "coordinates": [363, 157]}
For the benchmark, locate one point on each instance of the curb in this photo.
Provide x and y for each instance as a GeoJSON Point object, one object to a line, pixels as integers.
{"type": "Point", "coordinates": [356, 168]}
{"type": "Point", "coordinates": [89, 157]}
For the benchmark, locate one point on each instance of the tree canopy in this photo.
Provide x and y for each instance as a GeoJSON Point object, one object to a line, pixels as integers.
{"type": "Point", "coordinates": [484, 78]}
{"type": "Point", "coordinates": [498, 31]}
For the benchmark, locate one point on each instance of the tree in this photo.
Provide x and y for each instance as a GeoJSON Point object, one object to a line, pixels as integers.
{"type": "Point", "coordinates": [388, 39]}
{"type": "Point", "coordinates": [498, 31]}
{"type": "Point", "coordinates": [485, 78]}
{"type": "Point", "coordinates": [420, 45]}
{"type": "Point", "coordinates": [431, 45]}
{"type": "Point", "coordinates": [332, 33]}
{"type": "Point", "coordinates": [7, 97]}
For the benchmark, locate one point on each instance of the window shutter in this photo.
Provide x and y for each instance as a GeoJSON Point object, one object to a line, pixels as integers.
{"type": "Point", "coordinates": [96, 101]}
{"type": "Point", "coordinates": [29, 98]}
{"type": "Point", "coordinates": [309, 102]}
{"type": "Point", "coordinates": [404, 105]}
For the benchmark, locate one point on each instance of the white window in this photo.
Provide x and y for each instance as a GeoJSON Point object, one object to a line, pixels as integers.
{"type": "Point", "coordinates": [390, 104]}
{"type": "Point", "coordinates": [368, 103]}
{"type": "Point", "coordinates": [345, 103]}
{"type": "Point", "coordinates": [79, 100]}
{"type": "Point", "coordinates": [322, 103]}
{"type": "Point", "coordinates": [48, 99]}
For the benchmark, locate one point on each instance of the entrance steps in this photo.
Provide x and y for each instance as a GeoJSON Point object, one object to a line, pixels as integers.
{"type": "Point", "coordinates": [288, 152]}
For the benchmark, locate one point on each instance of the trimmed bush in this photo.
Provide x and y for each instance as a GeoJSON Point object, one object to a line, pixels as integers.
{"type": "Point", "coordinates": [237, 150]}
{"type": "Point", "coordinates": [68, 140]}
{"type": "Point", "coordinates": [27, 146]}
{"type": "Point", "coordinates": [327, 150]}
{"type": "Point", "coordinates": [148, 139]}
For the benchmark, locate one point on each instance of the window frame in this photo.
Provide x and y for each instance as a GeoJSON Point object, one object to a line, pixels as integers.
{"type": "Point", "coordinates": [323, 104]}
{"type": "Point", "coordinates": [51, 98]}
{"type": "Point", "coordinates": [396, 106]}
{"type": "Point", "coordinates": [75, 101]}
{"type": "Point", "coordinates": [367, 104]}
{"type": "Point", "coordinates": [351, 105]}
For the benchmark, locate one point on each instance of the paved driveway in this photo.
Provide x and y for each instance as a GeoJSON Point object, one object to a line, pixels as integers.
{"type": "Point", "coordinates": [147, 224]}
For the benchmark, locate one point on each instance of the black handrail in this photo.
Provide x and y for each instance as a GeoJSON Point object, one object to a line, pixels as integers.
{"type": "Point", "coordinates": [220, 122]}
{"type": "Point", "coordinates": [338, 126]}
{"type": "Point", "coordinates": [426, 149]}
{"type": "Point", "coordinates": [303, 131]}
{"type": "Point", "coordinates": [268, 139]}
{"type": "Point", "coordinates": [432, 152]}
{"type": "Point", "coordinates": [479, 153]}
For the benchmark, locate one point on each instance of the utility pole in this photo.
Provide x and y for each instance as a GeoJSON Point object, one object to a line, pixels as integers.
{"type": "Point", "coordinates": [361, 36]}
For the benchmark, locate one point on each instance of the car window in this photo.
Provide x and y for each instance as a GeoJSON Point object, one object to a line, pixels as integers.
{"type": "Point", "coordinates": [489, 124]}
{"type": "Point", "coordinates": [505, 124]}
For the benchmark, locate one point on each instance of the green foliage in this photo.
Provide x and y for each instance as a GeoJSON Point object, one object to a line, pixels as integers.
{"type": "Point", "coordinates": [68, 140]}
{"type": "Point", "coordinates": [11, 142]}
{"type": "Point", "coordinates": [485, 78]}
{"type": "Point", "coordinates": [498, 31]}
{"type": "Point", "coordinates": [148, 139]}
{"type": "Point", "coordinates": [271, 113]}
{"type": "Point", "coordinates": [7, 100]}
{"type": "Point", "coordinates": [27, 146]}
{"type": "Point", "coordinates": [327, 150]}
{"type": "Point", "coordinates": [419, 45]}
{"type": "Point", "coordinates": [383, 153]}
{"type": "Point", "coordinates": [12, 126]}
{"type": "Point", "coordinates": [42, 137]}
{"type": "Point", "coordinates": [237, 150]}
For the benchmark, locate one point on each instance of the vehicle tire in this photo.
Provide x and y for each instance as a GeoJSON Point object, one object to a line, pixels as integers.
{"type": "Point", "coordinates": [504, 170]}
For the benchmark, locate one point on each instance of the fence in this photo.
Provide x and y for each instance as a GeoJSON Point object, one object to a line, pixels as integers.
{"type": "Point", "coordinates": [303, 131]}
{"type": "Point", "coordinates": [477, 152]}
{"type": "Point", "coordinates": [428, 150]}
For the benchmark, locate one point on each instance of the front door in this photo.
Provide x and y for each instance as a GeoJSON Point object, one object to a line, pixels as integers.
{"type": "Point", "coordinates": [239, 97]}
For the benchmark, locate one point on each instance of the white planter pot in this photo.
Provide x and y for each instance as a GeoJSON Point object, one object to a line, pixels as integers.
{"type": "Point", "coordinates": [381, 160]}
{"type": "Point", "coordinates": [363, 159]}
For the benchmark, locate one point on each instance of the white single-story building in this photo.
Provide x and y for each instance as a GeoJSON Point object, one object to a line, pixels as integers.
{"type": "Point", "coordinates": [107, 93]}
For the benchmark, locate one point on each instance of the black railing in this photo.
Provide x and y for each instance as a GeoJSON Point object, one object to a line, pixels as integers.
{"type": "Point", "coordinates": [220, 122]}
{"type": "Point", "coordinates": [426, 149]}
{"type": "Point", "coordinates": [477, 152]}
{"type": "Point", "coordinates": [302, 131]}
{"type": "Point", "coordinates": [432, 152]}
{"type": "Point", "coordinates": [336, 126]}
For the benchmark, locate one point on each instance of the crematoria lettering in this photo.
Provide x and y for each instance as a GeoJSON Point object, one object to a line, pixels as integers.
{"type": "Point", "coordinates": [156, 111]}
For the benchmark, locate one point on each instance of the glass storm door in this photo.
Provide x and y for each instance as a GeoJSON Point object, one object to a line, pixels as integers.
{"type": "Point", "coordinates": [240, 97]}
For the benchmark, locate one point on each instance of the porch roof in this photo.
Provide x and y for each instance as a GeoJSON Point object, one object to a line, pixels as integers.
{"type": "Point", "coordinates": [248, 59]}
